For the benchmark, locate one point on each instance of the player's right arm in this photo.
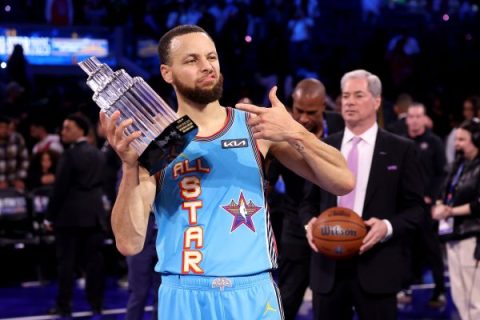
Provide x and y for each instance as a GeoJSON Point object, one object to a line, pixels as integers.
{"type": "Point", "coordinates": [136, 192]}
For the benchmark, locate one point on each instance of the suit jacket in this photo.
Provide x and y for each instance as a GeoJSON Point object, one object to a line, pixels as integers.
{"type": "Point", "coordinates": [394, 192]}
{"type": "Point", "coordinates": [76, 200]}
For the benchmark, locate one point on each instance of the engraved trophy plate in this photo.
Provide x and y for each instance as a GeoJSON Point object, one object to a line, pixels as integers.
{"type": "Point", "coordinates": [164, 134]}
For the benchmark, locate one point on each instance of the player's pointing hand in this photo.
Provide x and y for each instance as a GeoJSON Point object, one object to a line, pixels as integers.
{"type": "Point", "coordinates": [274, 123]}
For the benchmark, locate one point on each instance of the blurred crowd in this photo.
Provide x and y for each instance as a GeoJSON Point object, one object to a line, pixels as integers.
{"type": "Point", "coordinates": [425, 48]}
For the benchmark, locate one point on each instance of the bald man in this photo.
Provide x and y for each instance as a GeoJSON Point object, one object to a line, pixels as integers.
{"type": "Point", "coordinates": [308, 109]}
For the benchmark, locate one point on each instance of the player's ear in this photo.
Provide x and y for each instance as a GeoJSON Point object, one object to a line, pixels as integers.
{"type": "Point", "coordinates": [166, 72]}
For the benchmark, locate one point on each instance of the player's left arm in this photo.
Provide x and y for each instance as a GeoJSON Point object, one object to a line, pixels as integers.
{"type": "Point", "coordinates": [297, 148]}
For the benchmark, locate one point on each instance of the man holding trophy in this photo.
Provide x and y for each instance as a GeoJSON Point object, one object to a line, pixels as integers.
{"type": "Point", "coordinates": [215, 242]}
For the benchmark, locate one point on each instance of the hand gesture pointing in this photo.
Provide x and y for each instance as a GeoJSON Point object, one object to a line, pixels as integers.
{"type": "Point", "coordinates": [275, 123]}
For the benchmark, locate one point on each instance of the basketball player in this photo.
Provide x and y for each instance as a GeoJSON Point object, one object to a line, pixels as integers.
{"type": "Point", "coordinates": [215, 258]}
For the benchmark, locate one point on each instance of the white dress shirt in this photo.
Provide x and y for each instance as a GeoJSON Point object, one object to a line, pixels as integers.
{"type": "Point", "coordinates": [365, 155]}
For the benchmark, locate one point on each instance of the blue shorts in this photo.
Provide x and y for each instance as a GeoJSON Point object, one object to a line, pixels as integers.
{"type": "Point", "coordinates": [223, 298]}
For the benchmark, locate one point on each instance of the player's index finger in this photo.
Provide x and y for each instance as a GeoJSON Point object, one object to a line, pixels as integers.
{"type": "Point", "coordinates": [250, 108]}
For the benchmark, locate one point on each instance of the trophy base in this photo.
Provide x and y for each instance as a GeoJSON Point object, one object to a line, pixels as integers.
{"type": "Point", "coordinates": [168, 145]}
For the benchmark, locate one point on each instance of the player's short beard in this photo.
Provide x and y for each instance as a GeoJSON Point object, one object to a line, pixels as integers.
{"type": "Point", "coordinates": [200, 96]}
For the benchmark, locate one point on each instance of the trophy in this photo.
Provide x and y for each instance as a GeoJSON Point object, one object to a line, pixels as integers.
{"type": "Point", "coordinates": [164, 134]}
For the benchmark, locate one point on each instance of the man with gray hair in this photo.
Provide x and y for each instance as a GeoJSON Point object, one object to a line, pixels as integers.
{"type": "Point", "coordinates": [388, 197]}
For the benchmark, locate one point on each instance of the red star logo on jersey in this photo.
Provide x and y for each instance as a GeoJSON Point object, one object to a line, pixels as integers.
{"type": "Point", "coordinates": [242, 212]}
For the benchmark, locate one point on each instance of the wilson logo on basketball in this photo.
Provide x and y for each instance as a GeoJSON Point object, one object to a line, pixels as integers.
{"type": "Point", "coordinates": [337, 231]}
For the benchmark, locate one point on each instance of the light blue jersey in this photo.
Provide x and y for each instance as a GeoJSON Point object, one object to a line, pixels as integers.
{"type": "Point", "coordinates": [211, 208]}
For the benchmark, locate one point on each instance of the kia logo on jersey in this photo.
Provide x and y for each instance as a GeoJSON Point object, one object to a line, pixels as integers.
{"type": "Point", "coordinates": [234, 143]}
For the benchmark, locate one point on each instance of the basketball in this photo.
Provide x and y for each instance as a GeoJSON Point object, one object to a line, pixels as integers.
{"type": "Point", "coordinates": [338, 233]}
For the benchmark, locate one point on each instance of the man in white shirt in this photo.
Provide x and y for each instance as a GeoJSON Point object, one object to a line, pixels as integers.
{"type": "Point", "coordinates": [387, 195]}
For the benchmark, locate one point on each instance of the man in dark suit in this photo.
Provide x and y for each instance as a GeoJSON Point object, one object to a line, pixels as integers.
{"type": "Point", "coordinates": [77, 216]}
{"type": "Point", "coordinates": [308, 108]}
{"type": "Point", "coordinates": [387, 195]}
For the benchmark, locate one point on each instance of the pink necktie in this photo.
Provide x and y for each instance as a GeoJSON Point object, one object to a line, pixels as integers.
{"type": "Point", "coordinates": [347, 201]}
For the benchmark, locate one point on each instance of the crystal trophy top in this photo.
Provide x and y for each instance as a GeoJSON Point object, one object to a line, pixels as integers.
{"type": "Point", "coordinates": [164, 134]}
